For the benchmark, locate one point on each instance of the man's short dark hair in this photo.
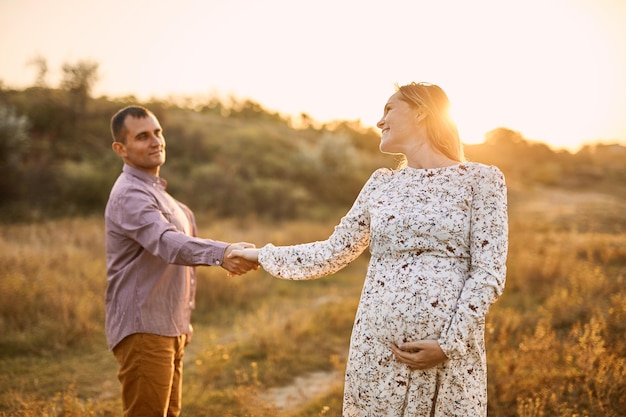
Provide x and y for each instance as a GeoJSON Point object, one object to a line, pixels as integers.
{"type": "Point", "coordinates": [118, 128]}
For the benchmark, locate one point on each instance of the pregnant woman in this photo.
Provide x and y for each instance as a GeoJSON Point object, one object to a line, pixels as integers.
{"type": "Point", "coordinates": [437, 231]}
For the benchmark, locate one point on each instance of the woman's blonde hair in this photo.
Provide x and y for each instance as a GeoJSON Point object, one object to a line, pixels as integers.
{"type": "Point", "coordinates": [432, 101]}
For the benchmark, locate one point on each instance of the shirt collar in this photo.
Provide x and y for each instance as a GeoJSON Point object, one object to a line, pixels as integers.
{"type": "Point", "coordinates": [145, 177]}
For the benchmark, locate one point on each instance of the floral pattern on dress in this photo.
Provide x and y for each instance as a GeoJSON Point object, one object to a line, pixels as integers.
{"type": "Point", "coordinates": [438, 243]}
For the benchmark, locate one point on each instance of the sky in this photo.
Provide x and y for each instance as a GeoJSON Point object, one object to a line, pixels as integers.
{"type": "Point", "coordinates": [553, 70]}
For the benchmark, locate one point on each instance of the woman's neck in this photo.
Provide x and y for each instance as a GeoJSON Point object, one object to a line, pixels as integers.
{"type": "Point", "coordinates": [426, 158]}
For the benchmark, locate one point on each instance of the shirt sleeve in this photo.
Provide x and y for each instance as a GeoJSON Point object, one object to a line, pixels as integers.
{"type": "Point", "coordinates": [488, 252]}
{"type": "Point", "coordinates": [138, 216]}
{"type": "Point", "coordinates": [317, 259]}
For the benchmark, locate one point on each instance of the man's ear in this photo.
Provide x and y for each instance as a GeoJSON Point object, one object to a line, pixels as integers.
{"type": "Point", "coordinates": [119, 148]}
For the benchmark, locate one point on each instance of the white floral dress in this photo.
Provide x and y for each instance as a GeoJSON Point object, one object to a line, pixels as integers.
{"type": "Point", "coordinates": [438, 243]}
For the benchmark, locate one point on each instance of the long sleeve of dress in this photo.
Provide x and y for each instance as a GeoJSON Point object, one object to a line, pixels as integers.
{"type": "Point", "coordinates": [488, 251]}
{"type": "Point", "coordinates": [317, 259]}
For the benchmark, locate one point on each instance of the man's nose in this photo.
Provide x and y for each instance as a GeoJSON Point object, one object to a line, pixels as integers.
{"type": "Point", "coordinates": [156, 140]}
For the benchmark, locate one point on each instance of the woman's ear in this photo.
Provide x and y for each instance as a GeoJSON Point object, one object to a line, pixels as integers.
{"type": "Point", "coordinates": [420, 116]}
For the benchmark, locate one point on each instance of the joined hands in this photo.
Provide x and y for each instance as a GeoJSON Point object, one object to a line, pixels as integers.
{"type": "Point", "coordinates": [237, 264]}
{"type": "Point", "coordinates": [249, 253]}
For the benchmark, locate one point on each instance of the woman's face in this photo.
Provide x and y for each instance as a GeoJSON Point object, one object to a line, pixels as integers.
{"type": "Point", "coordinates": [400, 126]}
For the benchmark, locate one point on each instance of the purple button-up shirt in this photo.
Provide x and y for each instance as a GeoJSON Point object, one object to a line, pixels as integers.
{"type": "Point", "coordinates": [151, 252]}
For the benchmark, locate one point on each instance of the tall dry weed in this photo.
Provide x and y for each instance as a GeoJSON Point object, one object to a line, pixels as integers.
{"type": "Point", "coordinates": [52, 278]}
{"type": "Point", "coordinates": [555, 340]}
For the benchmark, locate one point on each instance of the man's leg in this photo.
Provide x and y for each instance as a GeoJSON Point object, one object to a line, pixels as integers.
{"type": "Point", "coordinates": [147, 371]}
{"type": "Point", "coordinates": [177, 381]}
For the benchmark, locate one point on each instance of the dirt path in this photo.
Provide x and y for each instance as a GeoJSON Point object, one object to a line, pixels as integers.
{"type": "Point", "coordinates": [288, 398]}
{"type": "Point", "coordinates": [302, 390]}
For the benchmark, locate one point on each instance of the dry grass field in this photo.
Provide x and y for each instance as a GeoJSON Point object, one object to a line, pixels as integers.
{"type": "Point", "coordinates": [266, 347]}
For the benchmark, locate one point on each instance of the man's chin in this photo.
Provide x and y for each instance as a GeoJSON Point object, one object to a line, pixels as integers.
{"type": "Point", "coordinates": [157, 161]}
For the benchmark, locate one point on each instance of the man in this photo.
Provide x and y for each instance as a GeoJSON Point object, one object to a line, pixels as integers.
{"type": "Point", "coordinates": [151, 251]}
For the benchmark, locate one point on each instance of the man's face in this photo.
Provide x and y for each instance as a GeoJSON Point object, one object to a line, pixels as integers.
{"type": "Point", "coordinates": [145, 145]}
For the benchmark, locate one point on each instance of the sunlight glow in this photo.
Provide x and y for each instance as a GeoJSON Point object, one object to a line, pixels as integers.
{"type": "Point", "coordinates": [552, 70]}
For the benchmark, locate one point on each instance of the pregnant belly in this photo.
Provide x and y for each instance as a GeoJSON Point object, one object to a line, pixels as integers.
{"type": "Point", "coordinates": [404, 302]}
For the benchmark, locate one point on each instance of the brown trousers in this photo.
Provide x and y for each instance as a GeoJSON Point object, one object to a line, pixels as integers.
{"type": "Point", "coordinates": [151, 374]}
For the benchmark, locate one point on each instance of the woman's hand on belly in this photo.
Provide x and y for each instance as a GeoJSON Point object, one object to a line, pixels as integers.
{"type": "Point", "coordinates": [422, 354]}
